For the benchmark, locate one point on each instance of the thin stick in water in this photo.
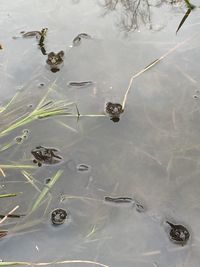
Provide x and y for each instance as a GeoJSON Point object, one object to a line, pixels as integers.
{"type": "Point", "coordinates": [151, 65]}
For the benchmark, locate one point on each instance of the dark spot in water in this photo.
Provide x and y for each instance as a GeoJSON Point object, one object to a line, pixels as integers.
{"type": "Point", "coordinates": [48, 180]}
{"type": "Point", "coordinates": [58, 216]}
{"type": "Point", "coordinates": [115, 119]}
{"type": "Point", "coordinates": [139, 207]}
{"type": "Point", "coordinates": [41, 85]}
{"type": "Point", "coordinates": [83, 167]}
{"type": "Point", "coordinates": [195, 96]}
{"type": "Point", "coordinates": [25, 131]}
{"type": "Point", "coordinates": [19, 140]}
{"type": "Point", "coordinates": [54, 70]}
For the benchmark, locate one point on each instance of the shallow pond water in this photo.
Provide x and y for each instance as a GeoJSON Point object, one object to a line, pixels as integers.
{"type": "Point", "coordinates": [118, 182]}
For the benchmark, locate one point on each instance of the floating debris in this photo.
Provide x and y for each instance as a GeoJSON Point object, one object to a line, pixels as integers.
{"type": "Point", "coordinates": [83, 167]}
{"type": "Point", "coordinates": [47, 180]}
{"type": "Point", "coordinates": [43, 34]}
{"type": "Point", "coordinates": [58, 216]}
{"type": "Point", "coordinates": [1, 47]}
{"type": "Point", "coordinates": [3, 233]}
{"type": "Point", "coordinates": [195, 96]}
{"type": "Point", "coordinates": [41, 85]}
{"type": "Point", "coordinates": [40, 35]}
{"type": "Point", "coordinates": [26, 131]}
{"type": "Point", "coordinates": [31, 34]}
{"type": "Point", "coordinates": [45, 155]}
{"type": "Point", "coordinates": [77, 39]}
{"type": "Point", "coordinates": [19, 140]}
{"type": "Point", "coordinates": [178, 233]}
{"type": "Point", "coordinates": [84, 35]}
{"type": "Point", "coordinates": [114, 110]}
{"type": "Point", "coordinates": [119, 199]}
{"type": "Point", "coordinates": [80, 84]}
{"type": "Point", "coordinates": [55, 60]}
{"type": "Point", "coordinates": [139, 207]}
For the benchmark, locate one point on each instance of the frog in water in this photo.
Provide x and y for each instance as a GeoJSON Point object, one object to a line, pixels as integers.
{"type": "Point", "coordinates": [178, 233]}
{"type": "Point", "coordinates": [114, 110]}
{"type": "Point", "coordinates": [44, 155]}
{"type": "Point", "coordinates": [58, 216]}
{"type": "Point", "coordinates": [55, 60]}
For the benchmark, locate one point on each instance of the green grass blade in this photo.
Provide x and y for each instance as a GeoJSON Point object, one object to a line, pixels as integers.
{"type": "Point", "coordinates": [8, 195]}
{"type": "Point", "coordinates": [184, 19]}
{"type": "Point", "coordinates": [46, 190]}
{"type": "Point", "coordinates": [189, 5]}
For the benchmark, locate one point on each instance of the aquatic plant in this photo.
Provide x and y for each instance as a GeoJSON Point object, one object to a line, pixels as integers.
{"type": "Point", "coordinates": [190, 7]}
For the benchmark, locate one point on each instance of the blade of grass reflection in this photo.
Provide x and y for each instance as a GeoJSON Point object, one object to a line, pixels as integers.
{"type": "Point", "coordinates": [45, 190]}
{"type": "Point", "coordinates": [66, 126]}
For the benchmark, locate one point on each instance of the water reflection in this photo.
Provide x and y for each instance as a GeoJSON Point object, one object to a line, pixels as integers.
{"type": "Point", "coordinates": [132, 12]}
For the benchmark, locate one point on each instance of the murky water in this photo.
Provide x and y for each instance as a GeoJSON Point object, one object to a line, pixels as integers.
{"type": "Point", "coordinates": [149, 159]}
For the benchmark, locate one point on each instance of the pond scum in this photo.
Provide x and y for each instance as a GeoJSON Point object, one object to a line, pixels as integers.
{"type": "Point", "coordinates": [48, 109]}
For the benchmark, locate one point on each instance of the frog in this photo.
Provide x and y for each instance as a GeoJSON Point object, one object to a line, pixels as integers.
{"type": "Point", "coordinates": [114, 110]}
{"type": "Point", "coordinates": [55, 59]}
{"type": "Point", "coordinates": [179, 234]}
{"type": "Point", "coordinates": [44, 155]}
{"type": "Point", "coordinates": [58, 216]}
